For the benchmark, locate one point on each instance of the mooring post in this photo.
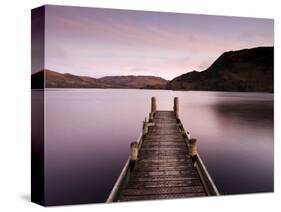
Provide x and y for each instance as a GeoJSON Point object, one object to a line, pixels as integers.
{"type": "Point", "coordinates": [134, 151]}
{"type": "Point", "coordinates": [188, 135]}
{"type": "Point", "coordinates": [153, 105]}
{"type": "Point", "coordinates": [145, 127]}
{"type": "Point", "coordinates": [176, 106]}
{"type": "Point", "coordinates": [192, 147]}
{"type": "Point", "coordinates": [150, 117]}
{"type": "Point", "coordinates": [133, 155]}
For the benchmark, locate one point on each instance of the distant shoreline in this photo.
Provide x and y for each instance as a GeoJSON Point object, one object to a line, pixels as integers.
{"type": "Point", "coordinates": [246, 70]}
{"type": "Point", "coordinates": [44, 89]}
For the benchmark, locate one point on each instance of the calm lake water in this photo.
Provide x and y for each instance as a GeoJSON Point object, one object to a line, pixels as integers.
{"type": "Point", "coordinates": [88, 132]}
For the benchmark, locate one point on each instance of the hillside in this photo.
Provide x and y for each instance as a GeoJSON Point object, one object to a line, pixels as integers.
{"type": "Point", "coordinates": [59, 80]}
{"type": "Point", "coordinates": [243, 70]}
{"type": "Point", "coordinates": [148, 82]}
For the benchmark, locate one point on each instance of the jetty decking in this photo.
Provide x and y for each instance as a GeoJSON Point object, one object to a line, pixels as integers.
{"type": "Point", "coordinates": [164, 163]}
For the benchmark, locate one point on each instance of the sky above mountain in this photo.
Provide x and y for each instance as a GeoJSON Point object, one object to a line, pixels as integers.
{"type": "Point", "coordinates": [102, 42]}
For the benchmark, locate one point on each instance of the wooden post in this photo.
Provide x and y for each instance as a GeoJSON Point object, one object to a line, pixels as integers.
{"type": "Point", "coordinates": [134, 151]}
{"type": "Point", "coordinates": [188, 135]}
{"type": "Point", "coordinates": [133, 155]}
{"type": "Point", "coordinates": [176, 106]}
{"type": "Point", "coordinates": [192, 147]}
{"type": "Point", "coordinates": [153, 105]}
{"type": "Point", "coordinates": [145, 127]}
{"type": "Point", "coordinates": [150, 117]}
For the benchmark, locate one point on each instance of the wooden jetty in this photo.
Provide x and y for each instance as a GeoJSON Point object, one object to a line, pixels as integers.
{"type": "Point", "coordinates": [163, 163]}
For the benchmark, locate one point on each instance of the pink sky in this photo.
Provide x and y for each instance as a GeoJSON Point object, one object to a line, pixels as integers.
{"type": "Point", "coordinates": [102, 42]}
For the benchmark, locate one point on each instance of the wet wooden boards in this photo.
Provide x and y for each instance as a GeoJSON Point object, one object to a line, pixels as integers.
{"type": "Point", "coordinates": [164, 170]}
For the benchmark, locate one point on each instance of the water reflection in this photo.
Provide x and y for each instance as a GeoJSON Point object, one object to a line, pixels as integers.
{"type": "Point", "coordinates": [248, 111]}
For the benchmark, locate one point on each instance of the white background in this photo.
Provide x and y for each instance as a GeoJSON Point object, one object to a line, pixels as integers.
{"type": "Point", "coordinates": [15, 104]}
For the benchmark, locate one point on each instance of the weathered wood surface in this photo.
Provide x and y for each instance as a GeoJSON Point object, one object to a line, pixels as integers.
{"type": "Point", "coordinates": [164, 169]}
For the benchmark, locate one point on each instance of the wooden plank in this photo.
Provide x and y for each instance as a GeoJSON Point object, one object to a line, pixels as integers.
{"type": "Point", "coordinates": [163, 162]}
{"type": "Point", "coordinates": [164, 190]}
{"type": "Point", "coordinates": [161, 144]}
{"type": "Point", "coordinates": [166, 160]}
{"type": "Point", "coordinates": [157, 197]}
{"type": "Point", "coordinates": [159, 156]}
{"type": "Point", "coordinates": [163, 166]}
{"type": "Point", "coordinates": [166, 178]}
{"type": "Point", "coordinates": [162, 150]}
{"type": "Point", "coordinates": [166, 172]}
{"type": "Point", "coordinates": [161, 177]}
{"type": "Point", "coordinates": [163, 169]}
{"type": "Point", "coordinates": [169, 183]}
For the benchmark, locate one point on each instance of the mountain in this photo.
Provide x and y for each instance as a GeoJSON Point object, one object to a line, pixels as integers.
{"type": "Point", "coordinates": [59, 80]}
{"type": "Point", "coordinates": [145, 82]}
{"type": "Point", "coordinates": [243, 70]}
{"type": "Point", "coordinates": [37, 80]}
